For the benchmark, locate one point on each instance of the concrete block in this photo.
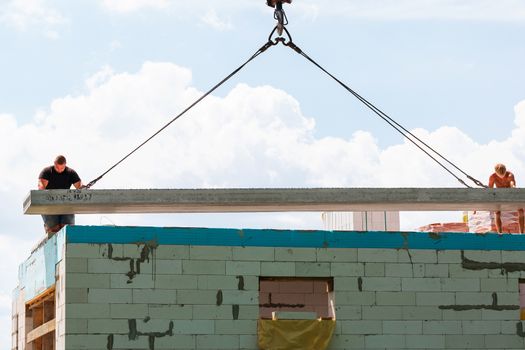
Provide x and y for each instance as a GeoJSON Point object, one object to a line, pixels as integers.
{"type": "Point", "coordinates": [503, 315]}
{"type": "Point", "coordinates": [498, 285]}
{"type": "Point", "coordinates": [277, 269]}
{"type": "Point", "coordinates": [436, 270]}
{"type": "Point", "coordinates": [167, 267]}
{"type": "Point", "coordinates": [133, 251]}
{"type": "Point", "coordinates": [107, 326]}
{"type": "Point", "coordinates": [442, 327]}
{"type": "Point", "coordinates": [154, 296]}
{"type": "Point", "coordinates": [88, 311]}
{"type": "Point", "coordinates": [248, 342]}
{"type": "Point", "coordinates": [457, 271]}
{"type": "Point", "coordinates": [210, 253]}
{"type": "Point", "coordinates": [197, 297]}
{"type": "Point", "coordinates": [76, 265]}
{"type": "Point", "coordinates": [508, 298]}
{"type": "Point", "coordinates": [345, 312]}
{"type": "Point", "coordinates": [483, 255]}
{"type": "Point", "coordinates": [347, 269]}
{"type": "Point", "coordinates": [425, 341]}
{"type": "Point", "coordinates": [217, 342]}
{"type": "Point", "coordinates": [374, 269]}
{"type": "Point", "coordinates": [346, 283]}
{"type": "Point", "coordinates": [240, 297]}
{"type": "Point", "coordinates": [362, 327]}
{"type": "Point", "coordinates": [510, 327]}
{"type": "Point", "coordinates": [193, 326]}
{"type": "Point", "coordinates": [138, 281]}
{"type": "Point", "coordinates": [385, 341]}
{"type": "Point", "coordinates": [110, 296]}
{"type": "Point", "coordinates": [86, 341]}
{"type": "Point", "coordinates": [170, 251]}
{"type": "Point", "coordinates": [170, 312]}
{"type": "Point", "coordinates": [176, 282]}
{"type": "Point", "coordinates": [336, 254]}
{"type": "Point", "coordinates": [236, 327]}
{"type": "Point", "coordinates": [225, 312]}
{"type": "Point", "coordinates": [127, 311]}
{"type": "Point", "coordinates": [481, 327]}
{"type": "Point", "coordinates": [377, 255]}
{"type": "Point", "coordinates": [245, 268]}
{"type": "Point", "coordinates": [464, 342]}
{"type": "Point", "coordinates": [425, 256]}
{"type": "Point", "coordinates": [502, 341]}
{"type": "Point", "coordinates": [449, 256]}
{"type": "Point", "coordinates": [382, 312]}
{"type": "Point", "coordinates": [76, 295]}
{"type": "Point", "coordinates": [512, 256]}
{"type": "Point", "coordinates": [435, 298]}
{"type": "Point", "coordinates": [295, 254]}
{"type": "Point", "coordinates": [179, 341]}
{"type": "Point", "coordinates": [253, 253]}
{"type": "Point", "coordinates": [399, 270]}
{"type": "Point", "coordinates": [202, 267]}
{"type": "Point", "coordinates": [87, 280]}
{"type": "Point", "coordinates": [77, 326]}
{"type": "Point", "coordinates": [460, 284]}
{"type": "Point", "coordinates": [402, 327]}
{"type": "Point", "coordinates": [105, 266]}
{"type": "Point", "coordinates": [396, 298]}
{"type": "Point", "coordinates": [345, 341]}
{"type": "Point", "coordinates": [421, 313]}
{"type": "Point", "coordinates": [84, 250]}
{"type": "Point", "coordinates": [462, 315]}
{"type": "Point", "coordinates": [381, 284]}
{"type": "Point", "coordinates": [420, 284]}
{"type": "Point", "coordinates": [312, 269]}
{"type": "Point", "coordinates": [469, 298]}
{"type": "Point", "coordinates": [355, 298]}
{"type": "Point", "coordinates": [216, 282]}
{"type": "Point", "coordinates": [122, 342]}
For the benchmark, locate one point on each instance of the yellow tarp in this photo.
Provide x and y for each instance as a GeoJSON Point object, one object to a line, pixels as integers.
{"type": "Point", "coordinates": [295, 334]}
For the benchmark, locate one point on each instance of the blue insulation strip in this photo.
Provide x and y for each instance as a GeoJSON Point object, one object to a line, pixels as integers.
{"type": "Point", "coordinates": [293, 238]}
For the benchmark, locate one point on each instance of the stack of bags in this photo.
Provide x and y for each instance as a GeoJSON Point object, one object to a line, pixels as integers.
{"type": "Point", "coordinates": [485, 221]}
{"type": "Point", "coordinates": [445, 227]}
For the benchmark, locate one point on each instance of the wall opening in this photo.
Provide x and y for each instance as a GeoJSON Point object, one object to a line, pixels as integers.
{"type": "Point", "coordinates": [296, 298]}
{"type": "Point", "coordinates": [40, 321]}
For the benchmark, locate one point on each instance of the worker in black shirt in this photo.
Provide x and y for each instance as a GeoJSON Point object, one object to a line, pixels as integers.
{"type": "Point", "coordinates": [58, 176]}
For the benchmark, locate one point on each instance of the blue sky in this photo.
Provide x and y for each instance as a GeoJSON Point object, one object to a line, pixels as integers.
{"type": "Point", "coordinates": [91, 79]}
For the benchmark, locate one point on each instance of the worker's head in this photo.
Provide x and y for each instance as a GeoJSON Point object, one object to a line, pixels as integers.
{"type": "Point", "coordinates": [60, 163]}
{"type": "Point", "coordinates": [500, 169]}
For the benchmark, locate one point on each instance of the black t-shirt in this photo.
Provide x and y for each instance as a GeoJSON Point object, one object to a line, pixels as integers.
{"type": "Point", "coordinates": [56, 180]}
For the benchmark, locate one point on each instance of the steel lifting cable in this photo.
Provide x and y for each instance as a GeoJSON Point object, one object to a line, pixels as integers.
{"type": "Point", "coordinates": [263, 48]}
{"type": "Point", "coordinates": [398, 127]}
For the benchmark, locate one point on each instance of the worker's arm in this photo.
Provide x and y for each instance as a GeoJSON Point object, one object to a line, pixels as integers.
{"type": "Point", "coordinates": [42, 184]}
{"type": "Point", "coordinates": [491, 181]}
{"type": "Point", "coordinates": [78, 184]}
{"type": "Point", "coordinates": [512, 181]}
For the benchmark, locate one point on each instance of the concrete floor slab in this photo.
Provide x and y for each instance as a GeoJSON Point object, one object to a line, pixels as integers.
{"type": "Point", "coordinates": [270, 200]}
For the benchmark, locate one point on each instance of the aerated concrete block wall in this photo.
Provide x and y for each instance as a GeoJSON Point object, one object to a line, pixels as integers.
{"type": "Point", "coordinates": [163, 293]}
{"type": "Point", "coordinates": [202, 297]}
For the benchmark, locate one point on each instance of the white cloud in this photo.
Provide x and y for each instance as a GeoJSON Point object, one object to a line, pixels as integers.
{"type": "Point", "coordinates": [127, 6]}
{"type": "Point", "coordinates": [213, 20]}
{"type": "Point", "coordinates": [23, 14]}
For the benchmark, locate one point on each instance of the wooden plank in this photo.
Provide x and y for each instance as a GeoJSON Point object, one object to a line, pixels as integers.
{"type": "Point", "coordinates": [41, 331]}
{"type": "Point", "coordinates": [271, 200]}
{"type": "Point", "coordinates": [48, 294]}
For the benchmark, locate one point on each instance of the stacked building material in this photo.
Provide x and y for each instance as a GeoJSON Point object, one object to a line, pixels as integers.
{"type": "Point", "coordinates": [485, 221]}
{"type": "Point", "coordinates": [445, 227]}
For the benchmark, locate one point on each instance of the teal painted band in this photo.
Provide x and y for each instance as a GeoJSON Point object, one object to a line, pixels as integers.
{"type": "Point", "coordinates": [293, 238]}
